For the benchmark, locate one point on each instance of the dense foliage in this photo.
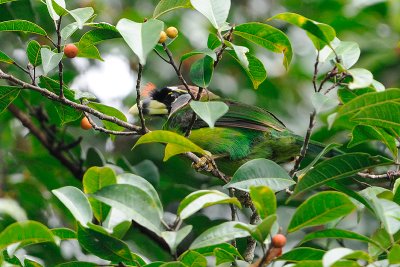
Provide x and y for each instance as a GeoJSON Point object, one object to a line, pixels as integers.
{"type": "Point", "coordinates": [85, 184]}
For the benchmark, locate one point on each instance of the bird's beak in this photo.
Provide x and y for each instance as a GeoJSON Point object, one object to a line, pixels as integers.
{"type": "Point", "coordinates": [150, 107]}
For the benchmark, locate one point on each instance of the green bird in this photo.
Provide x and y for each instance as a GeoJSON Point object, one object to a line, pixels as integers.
{"type": "Point", "coordinates": [245, 132]}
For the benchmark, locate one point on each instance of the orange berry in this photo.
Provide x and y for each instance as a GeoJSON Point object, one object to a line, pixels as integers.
{"type": "Point", "coordinates": [172, 32]}
{"type": "Point", "coordinates": [279, 241]}
{"type": "Point", "coordinates": [85, 124]}
{"type": "Point", "coordinates": [71, 51]}
{"type": "Point", "coordinates": [163, 37]}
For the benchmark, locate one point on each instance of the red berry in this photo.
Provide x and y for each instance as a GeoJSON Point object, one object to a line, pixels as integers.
{"type": "Point", "coordinates": [85, 124]}
{"type": "Point", "coordinates": [71, 51]}
{"type": "Point", "coordinates": [279, 241]}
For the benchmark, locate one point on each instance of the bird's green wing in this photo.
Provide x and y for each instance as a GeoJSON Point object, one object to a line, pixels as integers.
{"type": "Point", "coordinates": [239, 115]}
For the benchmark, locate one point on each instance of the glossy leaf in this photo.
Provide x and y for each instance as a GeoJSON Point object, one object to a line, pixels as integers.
{"type": "Point", "coordinates": [268, 37]}
{"type": "Point", "coordinates": [223, 256]}
{"type": "Point", "coordinates": [215, 11]}
{"type": "Point", "coordinates": [165, 6]}
{"type": "Point", "coordinates": [264, 200]}
{"type": "Point", "coordinates": [394, 254]}
{"type": "Point", "coordinates": [209, 250]}
{"type": "Point", "coordinates": [320, 209]}
{"type": "Point", "coordinates": [381, 115]}
{"type": "Point", "coordinates": [96, 36]}
{"type": "Point", "coordinates": [21, 26]}
{"type": "Point", "coordinates": [206, 51]}
{"type": "Point", "coordinates": [140, 37]}
{"type": "Point", "coordinates": [77, 264]}
{"type": "Point", "coordinates": [260, 231]}
{"type": "Point", "coordinates": [111, 111]}
{"type": "Point", "coordinates": [213, 41]}
{"type": "Point", "coordinates": [6, 1]}
{"type": "Point", "coordinates": [103, 246]}
{"type": "Point", "coordinates": [323, 102]}
{"type": "Point", "coordinates": [201, 71]}
{"type": "Point", "coordinates": [303, 254]}
{"type": "Point", "coordinates": [324, 33]}
{"type": "Point", "coordinates": [348, 53]}
{"type": "Point", "coordinates": [361, 78]}
{"type": "Point", "coordinates": [81, 15]}
{"type": "Point", "coordinates": [64, 233]}
{"type": "Point", "coordinates": [5, 58]}
{"type": "Point", "coordinates": [174, 238]}
{"type": "Point", "coordinates": [68, 30]}
{"type": "Point", "coordinates": [54, 7]}
{"type": "Point", "coordinates": [94, 179]}
{"type": "Point", "coordinates": [255, 69]}
{"type": "Point", "coordinates": [334, 255]}
{"type": "Point", "coordinates": [388, 212]}
{"type": "Point", "coordinates": [193, 259]}
{"type": "Point", "coordinates": [168, 137]}
{"type": "Point", "coordinates": [209, 111]}
{"type": "Point", "coordinates": [260, 172]}
{"type": "Point", "coordinates": [7, 95]}
{"type": "Point", "coordinates": [122, 197]}
{"type": "Point", "coordinates": [34, 53]}
{"type": "Point", "coordinates": [201, 199]}
{"type": "Point", "coordinates": [336, 168]}
{"type": "Point", "coordinates": [337, 234]}
{"type": "Point", "coordinates": [25, 233]}
{"type": "Point", "coordinates": [76, 202]}
{"type": "Point", "coordinates": [219, 234]}
{"type": "Point", "coordinates": [13, 209]}
{"type": "Point", "coordinates": [50, 59]}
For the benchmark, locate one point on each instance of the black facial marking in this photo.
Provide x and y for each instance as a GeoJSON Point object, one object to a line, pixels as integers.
{"type": "Point", "coordinates": [166, 96]}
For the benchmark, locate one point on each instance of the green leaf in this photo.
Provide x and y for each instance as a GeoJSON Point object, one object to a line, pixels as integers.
{"type": "Point", "coordinates": [388, 212]}
{"type": "Point", "coordinates": [201, 199]}
{"type": "Point", "coordinates": [132, 179]}
{"type": "Point", "coordinates": [394, 254]}
{"type": "Point", "coordinates": [201, 71]}
{"type": "Point", "coordinates": [94, 179]}
{"type": "Point", "coordinates": [96, 36]}
{"type": "Point", "coordinates": [335, 255]}
{"type": "Point", "coordinates": [264, 200]}
{"type": "Point", "coordinates": [303, 254]}
{"type": "Point", "coordinates": [380, 115]}
{"type": "Point", "coordinates": [337, 234]}
{"type": "Point", "coordinates": [209, 111]}
{"type": "Point", "coordinates": [396, 191]}
{"type": "Point", "coordinates": [110, 111]}
{"type": "Point", "coordinates": [81, 15]}
{"type": "Point", "coordinates": [59, 6]}
{"type": "Point", "coordinates": [65, 113]}
{"type": "Point", "coordinates": [193, 259]}
{"type": "Point", "coordinates": [68, 30]}
{"type": "Point", "coordinates": [165, 6]}
{"type": "Point", "coordinates": [219, 234]}
{"type": "Point", "coordinates": [213, 41]}
{"type": "Point", "coordinates": [6, 1]}
{"type": "Point", "coordinates": [90, 52]}
{"type": "Point", "coordinates": [260, 231]}
{"type": "Point", "coordinates": [348, 53]}
{"type": "Point", "coordinates": [215, 11]}
{"type": "Point", "coordinates": [64, 233]}
{"type": "Point", "coordinates": [77, 264]}
{"type": "Point", "coordinates": [121, 197]}
{"type": "Point", "coordinates": [174, 238]}
{"type": "Point", "coordinates": [34, 54]}
{"type": "Point", "coordinates": [31, 263]}
{"type": "Point", "coordinates": [141, 37]}
{"type": "Point", "coordinates": [13, 209]}
{"type": "Point", "coordinates": [50, 59]}
{"type": "Point", "coordinates": [364, 133]}
{"type": "Point", "coordinates": [6, 59]}
{"type": "Point", "coordinates": [76, 202]}
{"type": "Point", "coordinates": [268, 37]}
{"type": "Point", "coordinates": [320, 209]}
{"type": "Point", "coordinates": [323, 32]}
{"type": "Point", "coordinates": [382, 237]}
{"type": "Point", "coordinates": [21, 26]}
{"type": "Point", "coordinates": [11, 259]}
{"type": "Point", "coordinates": [7, 95]}
{"type": "Point", "coordinates": [255, 70]}
{"type": "Point", "coordinates": [168, 137]}
{"type": "Point", "coordinates": [25, 233]}
{"type": "Point", "coordinates": [361, 78]}
{"type": "Point", "coordinates": [103, 246]}
{"type": "Point", "coordinates": [223, 256]}
{"type": "Point", "coordinates": [260, 172]}
{"type": "Point", "coordinates": [205, 51]}
{"type": "Point", "coordinates": [209, 250]}
{"type": "Point", "coordinates": [240, 52]}
{"type": "Point", "coordinates": [323, 102]}
{"type": "Point", "coordinates": [336, 168]}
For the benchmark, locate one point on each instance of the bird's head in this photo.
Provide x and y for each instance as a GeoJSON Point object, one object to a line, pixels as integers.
{"type": "Point", "coordinates": [163, 101]}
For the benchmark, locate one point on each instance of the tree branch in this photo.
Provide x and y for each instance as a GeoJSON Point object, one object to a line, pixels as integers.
{"type": "Point", "coordinates": [104, 130]}
{"type": "Point", "coordinates": [60, 64]}
{"type": "Point", "coordinates": [75, 169]}
{"type": "Point", "coordinates": [138, 102]}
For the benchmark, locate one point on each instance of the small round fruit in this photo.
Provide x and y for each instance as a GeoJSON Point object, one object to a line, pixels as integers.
{"type": "Point", "coordinates": [163, 37]}
{"type": "Point", "coordinates": [279, 241]}
{"type": "Point", "coordinates": [85, 124]}
{"type": "Point", "coordinates": [71, 51]}
{"type": "Point", "coordinates": [172, 32]}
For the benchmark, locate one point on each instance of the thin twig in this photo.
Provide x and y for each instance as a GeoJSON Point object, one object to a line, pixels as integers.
{"type": "Point", "coordinates": [304, 148]}
{"type": "Point", "coordinates": [138, 102]}
{"type": "Point", "coordinates": [194, 116]}
{"type": "Point", "coordinates": [251, 242]}
{"type": "Point", "coordinates": [314, 79]}
{"type": "Point", "coordinates": [178, 72]}
{"type": "Point", "coordinates": [52, 96]}
{"type": "Point", "coordinates": [388, 175]}
{"type": "Point", "coordinates": [60, 64]}
{"type": "Point", "coordinates": [104, 130]}
{"type": "Point", "coordinates": [162, 57]}
{"type": "Point", "coordinates": [219, 53]}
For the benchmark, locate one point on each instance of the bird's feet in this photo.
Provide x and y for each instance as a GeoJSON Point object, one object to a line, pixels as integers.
{"type": "Point", "coordinates": [206, 163]}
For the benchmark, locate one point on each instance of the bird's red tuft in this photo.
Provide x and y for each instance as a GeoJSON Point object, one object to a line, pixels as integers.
{"type": "Point", "coordinates": [148, 89]}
